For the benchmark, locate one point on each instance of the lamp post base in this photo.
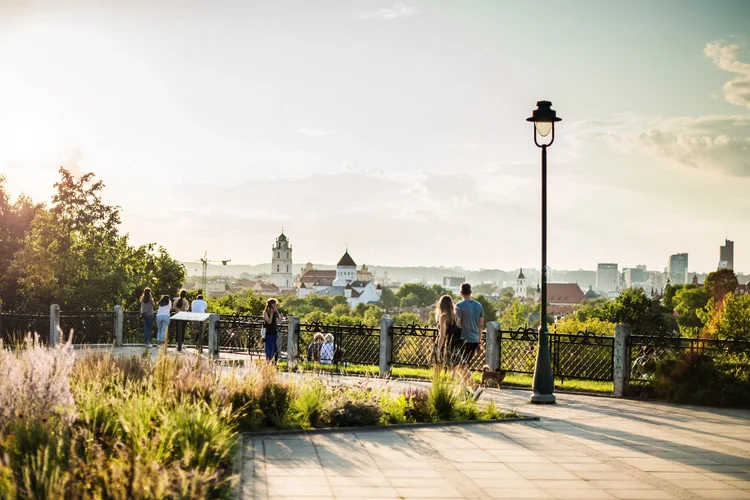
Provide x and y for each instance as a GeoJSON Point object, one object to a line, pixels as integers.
{"type": "Point", "coordinates": [543, 399]}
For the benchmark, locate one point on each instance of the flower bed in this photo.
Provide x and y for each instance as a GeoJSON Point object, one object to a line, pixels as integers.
{"type": "Point", "coordinates": [131, 427]}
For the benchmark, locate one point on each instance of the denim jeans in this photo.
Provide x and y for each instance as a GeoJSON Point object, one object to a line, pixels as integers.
{"type": "Point", "coordinates": [148, 327]}
{"type": "Point", "coordinates": [162, 321]}
{"type": "Point", "coordinates": [272, 348]}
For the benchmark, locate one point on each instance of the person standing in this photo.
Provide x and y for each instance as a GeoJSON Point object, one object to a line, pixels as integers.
{"type": "Point", "coordinates": [180, 305]}
{"type": "Point", "coordinates": [162, 320]}
{"type": "Point", "coordinates": [470, 315]}
{"type": "Point", "coordinates": [199, 305]}
{"type": "Point", "coordinates": [270, 324]}
{"type": "Point", "coordinates": [449, 334]}
{"type": "Point", "coordinates": [147, 313]}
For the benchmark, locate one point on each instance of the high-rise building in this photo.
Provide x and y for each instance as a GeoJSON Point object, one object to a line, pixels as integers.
{"type": "Point", "coordinates": [677, 269]}
{"type": "Point", "coordinates": [726, 255]}
{"type": "Point", "coordinates": [607, 277]}
{"type": "Point", "coordinates": [634, 276]}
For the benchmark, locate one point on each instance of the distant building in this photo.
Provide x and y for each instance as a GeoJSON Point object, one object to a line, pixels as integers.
{"type": "Point", "coordinates": [519, 289]}
{"type": "Point", "coordinates": [281, 262]}
{"type": "Point", "coordinates": [607, 277]}
{"type": "Point", "coordinates": [453, 281]}
{"type": "Point", "coordinates": [563, 298]}
{"type": "Point", "coordinates": [677, 269]}
{"type": "Point", "coordinates": [364, 274]}
{"type": "Point", "coordinates": [726, 255]}
{"type": "Point", "coordinates": [590, 294]}
{"type": "Point", "coordinates": [631, 277]}
{"type": "Point", "coordinates": [342, 281]}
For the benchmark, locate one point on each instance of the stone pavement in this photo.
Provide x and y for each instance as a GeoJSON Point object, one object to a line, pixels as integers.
{"type": "Point", "coordinates": [584, 447]}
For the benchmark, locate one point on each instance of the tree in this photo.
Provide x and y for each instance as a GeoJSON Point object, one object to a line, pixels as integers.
{"type": "Point", "coordinates": [387, 299]}
{"type": "Point", "coordinates": [425, 296]}
{"type": "Point", "coordinates": [485, 289]}
{"type": "Point", "coordinates": [490, 309]}
{"type": "Point", "coordinates": [514, 316]}
{"type": "Point", "coordinates": [730, 318]}
{"type": "Point", "coordinates": [687, 302]}
{"type": "Point", "coordinates": [720, 283]}
{"type": "Point", "coordinates": [411, 300]}
{"type": "Point", "coordinates": [634, 308]}
{"type": "Point", "coordinates": [668, 299]}
{"type": "Point", "coordinates": [341, 310]}
{"type": "Point", "coordinates": [406, 318]}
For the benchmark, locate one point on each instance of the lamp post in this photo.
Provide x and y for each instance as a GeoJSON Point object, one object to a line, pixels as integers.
{"type": "Point", "coordinates": [544, 118]}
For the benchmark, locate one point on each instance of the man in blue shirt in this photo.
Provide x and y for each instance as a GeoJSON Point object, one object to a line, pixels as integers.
{"type": "Point", "coordinates": [470, 315]}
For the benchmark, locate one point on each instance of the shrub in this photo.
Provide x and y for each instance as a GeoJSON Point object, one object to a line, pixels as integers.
{"type": "Point", "coordinates": [466, 408]}
{"type": "Point", "coordinates": [394, 409]}
{"type": "Point", "coordinates": [417, 405]}
{"type": "Point", "coordinates": [307, 405]}
{"type": "Point", "coordinates": [356, 413]}
{"type": "Point", "coordinates": [442, 398]}
{"type": "Point", "coordinates": [274, 404]}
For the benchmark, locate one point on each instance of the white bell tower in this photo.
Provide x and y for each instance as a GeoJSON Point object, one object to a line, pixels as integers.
{"type": "Point", "coordinates": [519, 290]}
{"type": "Point", "coordinates": [281, 262]}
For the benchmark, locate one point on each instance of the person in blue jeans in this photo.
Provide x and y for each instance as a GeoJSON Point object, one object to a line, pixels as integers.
{"type": "Point", "coordinates": [270, 322]}
{"type": "Point", "coordinates": [147, 313]}
{"type": "Point", "coordinates": [162, 320]}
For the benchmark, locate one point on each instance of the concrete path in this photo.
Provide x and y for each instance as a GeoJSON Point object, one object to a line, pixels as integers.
{"type": "Point", "coordinates": [583, 448]}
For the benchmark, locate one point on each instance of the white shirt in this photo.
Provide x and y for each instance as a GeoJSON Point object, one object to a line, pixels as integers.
{"type": "Point", "coordinates": [164, 310]}
{"type": "Point", "coordinates": [326, 353]}
{"type": "Point", "coordinates": [199, 306]}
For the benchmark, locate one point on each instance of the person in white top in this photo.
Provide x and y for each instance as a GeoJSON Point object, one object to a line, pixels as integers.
{"type": "Point", "coordinates": [162, 320]}
{"type": "Point", "coordinates": [199, 306]}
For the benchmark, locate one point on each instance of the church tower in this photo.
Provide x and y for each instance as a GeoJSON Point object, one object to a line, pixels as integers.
{"type": "Point", "coordinates": [281, 262]}
{"type": "Point", "coordinates": [519, 290]}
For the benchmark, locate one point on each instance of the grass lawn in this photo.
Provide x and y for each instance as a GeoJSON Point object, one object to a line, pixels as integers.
{"type": "Point", "coordinates": [512, 379]}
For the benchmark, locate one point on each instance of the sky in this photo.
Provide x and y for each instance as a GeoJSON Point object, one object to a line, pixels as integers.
{"type": "Point", "coordinates": [396, 129]}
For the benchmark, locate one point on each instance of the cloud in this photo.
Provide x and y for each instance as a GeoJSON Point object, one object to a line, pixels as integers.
{"type": "Point", "coordinates": [398, 10]}
{"type": "Point", "coordinates": [726, 57]}
{"type": "Point", "coordinates": [311, 132]}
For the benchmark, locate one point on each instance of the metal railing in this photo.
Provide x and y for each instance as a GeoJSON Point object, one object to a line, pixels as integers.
{"type": "Point", "coordinates": [14, 327]}
{"type": "Point", "coordinates": [359, 344]}
{"type": "Point", "coordinates": [242, 334]}
{"type": "Point", "coordinates": [414, 345]}
{"type": "Point", "coordinates": [88, 327]}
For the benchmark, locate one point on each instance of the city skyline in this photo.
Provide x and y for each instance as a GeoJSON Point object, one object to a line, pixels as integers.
{"type": "Point", "coordinates": [397, 127]}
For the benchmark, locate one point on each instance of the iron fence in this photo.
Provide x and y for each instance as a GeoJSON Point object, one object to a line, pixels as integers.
{"type": "Point", "coordinates": [14, 327]}
{"type": "Point", "coordinates": [88, 327]}
{"type": "Point", "coordinates": [414, 345]}
{"type": "Point", "coordinates": [359, 344]}
{"type": "Point", "coordinates": [581, 355]}
{"type": "Point", "coordinates": [242, 334]}
{"type": "Point", "coordinates": [731, 355]}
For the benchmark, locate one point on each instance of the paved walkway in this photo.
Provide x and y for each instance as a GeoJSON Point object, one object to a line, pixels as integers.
{"type": "Point", "coordinates": [582, 448]}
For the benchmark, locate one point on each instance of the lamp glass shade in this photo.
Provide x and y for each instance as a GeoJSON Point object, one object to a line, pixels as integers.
{"type": "Point", "coordinates": [543, 128]}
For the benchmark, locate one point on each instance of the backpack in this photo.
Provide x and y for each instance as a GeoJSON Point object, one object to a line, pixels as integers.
{"type": "Point", "coordinates": [454, 334]}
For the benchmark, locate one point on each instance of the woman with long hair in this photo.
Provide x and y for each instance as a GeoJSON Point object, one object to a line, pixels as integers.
{"type": "Point", "coordinates": [270, 322]}
{"type": "Point", "coordinates": [181, 304]}
{"type": "Point", "coordinates": [445, 317]}
{"type": "Point", "coordinates": [147, 313]}
{"type": "Point", "coordinates": [162, 320]}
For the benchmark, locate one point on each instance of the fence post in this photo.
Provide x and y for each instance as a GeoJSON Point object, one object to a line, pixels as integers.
{"type": "Point", "coordinates": [213, 336]}
{"type": "Point", "coordinates": [292, 341]}
{"type": "Point", "coordinates": [118, 326]}
{"type": "Point", "coordinates": [621, 360]}
{"type": "Point", "coordinates": [492, 346]}
{"type": "Point", "coordinates": [54, 324]}
{"type": "Point", "coordinates": [386, 346]}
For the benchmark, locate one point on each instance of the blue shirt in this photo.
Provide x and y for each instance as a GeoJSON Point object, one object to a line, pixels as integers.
{"type": "Point", "coordinates": [468, 313]}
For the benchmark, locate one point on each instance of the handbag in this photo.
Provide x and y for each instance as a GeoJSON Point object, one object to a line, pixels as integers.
{"type": "Point", "coordinates": [263, 332]}
{"type": "Point", "coordinates": [454, 335]}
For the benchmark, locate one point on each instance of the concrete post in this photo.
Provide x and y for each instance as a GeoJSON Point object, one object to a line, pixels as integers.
{"type": "Point", "coordinates": [621, 361]}
{"type": "Point", "coordinates": [492, 346]}
{"type": "Point", "coordinates": [292, 343]}
{"type": "Point", "coordinates": [213, 336]}
{"type": "Point", "coordinates": [54, 324]}
{"type": "Point", "coordinates": [118, 326]}
{"type": "Point", "coordinates": [386, 346]}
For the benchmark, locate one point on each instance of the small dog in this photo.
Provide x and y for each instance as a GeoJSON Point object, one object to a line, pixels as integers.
{"type": "Point", "coordinates": [490, 378]}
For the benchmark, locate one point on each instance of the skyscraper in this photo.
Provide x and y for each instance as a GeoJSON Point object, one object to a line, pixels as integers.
{"type": "Point", "coordinates": [677, 269]}
{"type": "Point", "coordinates": [726, 255]}
{"type": "Point", "coordinates": [607, 277]}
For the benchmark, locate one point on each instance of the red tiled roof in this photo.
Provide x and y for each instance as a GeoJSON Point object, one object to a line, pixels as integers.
{"type": "Point", "coordinates": [560, 310]}
{"type": "Point", "coordinates": [564, 293]}
{"type": "Point", "coordinates": [315, 275]}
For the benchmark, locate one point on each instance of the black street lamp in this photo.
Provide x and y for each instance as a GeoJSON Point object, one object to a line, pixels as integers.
{"type": "Point", "coordinates": [544, 118]}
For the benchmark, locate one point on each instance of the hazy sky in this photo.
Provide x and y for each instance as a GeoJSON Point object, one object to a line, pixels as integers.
{"type": "Point", "coordinates": [395, 127]}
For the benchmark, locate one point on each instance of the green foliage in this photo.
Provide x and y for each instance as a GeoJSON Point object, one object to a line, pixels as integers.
{"type": "Point", "coordinates": [490, 309]}
{"type": "Point", "coordinates": [73, 254]}
{"type": "Point", "coordinates": [687, 302]}
{"type": "Point", "coordinates": [731, 318]}
{"type": "Point", "coordinates": [442, 398]}
{"type": "Point", "coordinates": [307, 406]}
{"type": "Point", "coordinates": [341, 310]}
{"type": "Point", "coordinates": [417, 405]}
{"type": "Point", "coordinates": [418, 295]}
{"type": "Point", "coordinates": [394, 410]}
{"type": "Point", "coordinates": [406, 318]}
{"type": "Point", "coordinates": [720, 283]}
{"type": "Point", "coordinates": [245, 302]}
{"type": "Point", "coordinates": [388, 299]}
{"type": "Point", "coordinates": [570, 324]}
{"type": "Point", "coordinates": [274, 403]}
{"type": "Point", "coordinates": [514, 316]}
{"type": "Point", "coordinates": [356, 414]}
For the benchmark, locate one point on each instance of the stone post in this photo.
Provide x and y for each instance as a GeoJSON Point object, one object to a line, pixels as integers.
{"type": "Point", "coordinates": [54, 324]}
{"type": "Point", "coordinates": [386, 346]}
{"type": "Point", "coordinates": [213, 336]}
{"type": "Point", "coordinates": [621, 361]}
{"type": "Point", "coordinates": [492, 346]}
{"type": "Point", "coordinates": [118, 326]}
{"type": "Point", "coordinates": [292, 343]}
